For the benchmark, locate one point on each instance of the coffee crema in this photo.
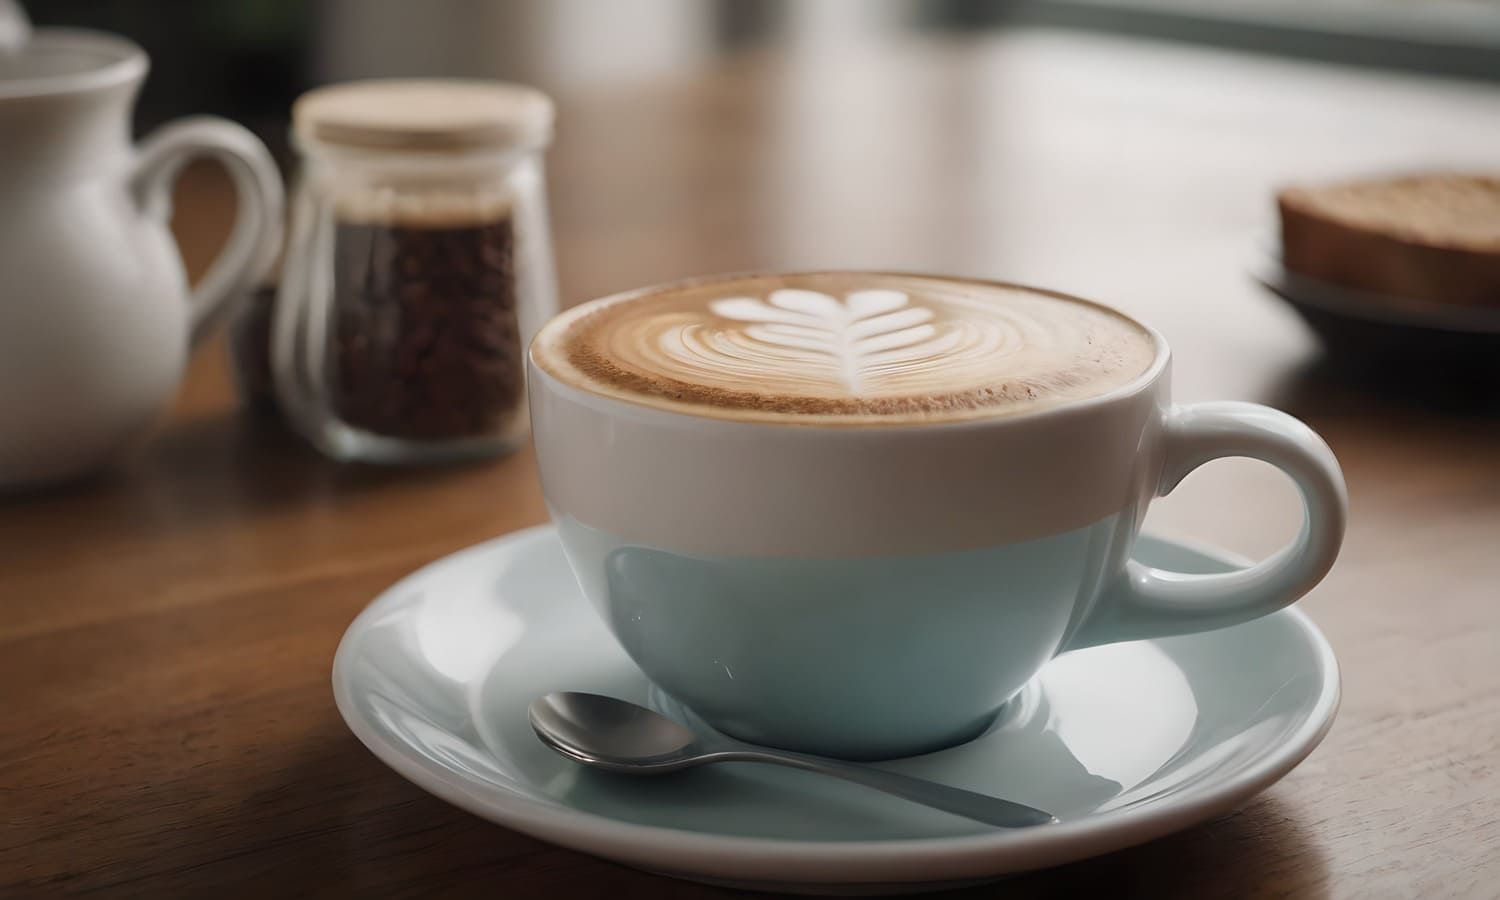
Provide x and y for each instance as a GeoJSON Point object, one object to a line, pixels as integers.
{"type": "Point", "coordinates": [844, 348]}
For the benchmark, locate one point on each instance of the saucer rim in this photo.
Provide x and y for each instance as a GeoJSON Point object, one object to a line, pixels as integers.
{"type": "Point", "coordinates": [938, 859]}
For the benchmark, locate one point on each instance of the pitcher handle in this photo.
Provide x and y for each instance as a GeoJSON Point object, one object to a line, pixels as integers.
{"type": "Point", "coordinates": [254, 242]}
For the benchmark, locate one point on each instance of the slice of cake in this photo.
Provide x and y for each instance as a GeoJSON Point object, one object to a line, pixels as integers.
{"type": "Point", "coordinates": [1425, 237]}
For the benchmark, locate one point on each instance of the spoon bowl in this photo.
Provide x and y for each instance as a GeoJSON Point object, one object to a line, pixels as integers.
{"type": "Point", "coordinates": [611, 734]}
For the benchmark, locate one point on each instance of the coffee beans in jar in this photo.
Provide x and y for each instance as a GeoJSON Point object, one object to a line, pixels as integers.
{"type": "Point", "coordinates": [425, 341]}
{"type": "Point", "coordinates": [419, 269]}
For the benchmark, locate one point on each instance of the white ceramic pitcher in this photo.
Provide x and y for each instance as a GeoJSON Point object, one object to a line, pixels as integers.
{"type": "Point", "coordinates": [96, 317]}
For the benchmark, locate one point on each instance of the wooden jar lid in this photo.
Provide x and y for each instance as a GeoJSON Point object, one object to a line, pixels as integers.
{"type": "Point", "coordinates": [432, 115]}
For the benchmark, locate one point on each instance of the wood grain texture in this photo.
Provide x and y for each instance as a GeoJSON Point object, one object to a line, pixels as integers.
{"type": "Point", "coordinates": [166, 630]}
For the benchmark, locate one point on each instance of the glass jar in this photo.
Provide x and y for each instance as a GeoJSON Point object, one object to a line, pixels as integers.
{"type": "Point", "coordinates": [418, 268]}
{"type": "Point", "coordinates": [249, 334]}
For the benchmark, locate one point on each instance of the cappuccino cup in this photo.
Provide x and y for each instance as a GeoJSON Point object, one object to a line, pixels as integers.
{"type": "Point", "coordinates": [852, 513]}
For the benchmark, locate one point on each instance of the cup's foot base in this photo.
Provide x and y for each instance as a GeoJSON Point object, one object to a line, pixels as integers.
{"type": "Point", "coordinates": [669, 706]}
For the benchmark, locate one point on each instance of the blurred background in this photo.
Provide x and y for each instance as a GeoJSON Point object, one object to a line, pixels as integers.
{"type": "Point", "coordinates": [1124, 149]}
{"type": "Point", "coordinates": [249, 59]}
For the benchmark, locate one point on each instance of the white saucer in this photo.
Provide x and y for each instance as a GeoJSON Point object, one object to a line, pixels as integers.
{"type": "Point", "coordinates": [1124, 743]}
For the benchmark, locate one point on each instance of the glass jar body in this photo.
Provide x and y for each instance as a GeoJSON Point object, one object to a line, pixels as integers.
{"type": "Point", "coordinates": [412, 287]}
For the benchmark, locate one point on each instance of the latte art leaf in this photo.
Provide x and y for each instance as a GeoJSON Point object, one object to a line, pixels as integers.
{"type": "Point", "coordinates": [848, 341]}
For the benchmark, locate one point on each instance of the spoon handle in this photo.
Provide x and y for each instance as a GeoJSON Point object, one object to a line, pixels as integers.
{"type": "Point", "coordinates": [979, 807]}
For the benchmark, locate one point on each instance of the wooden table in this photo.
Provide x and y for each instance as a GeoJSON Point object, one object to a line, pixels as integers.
{"type": "Point", "coordinates": [166, 726]}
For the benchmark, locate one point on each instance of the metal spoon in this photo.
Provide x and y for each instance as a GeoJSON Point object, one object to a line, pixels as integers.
{"type": "Point", "coordinates": [620, 736]}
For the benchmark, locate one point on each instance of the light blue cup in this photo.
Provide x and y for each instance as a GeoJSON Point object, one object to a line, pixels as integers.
{"type": "Point", "coordinates": [876, 592]}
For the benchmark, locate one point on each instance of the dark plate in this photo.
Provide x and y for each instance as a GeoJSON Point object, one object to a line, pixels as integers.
{"type": "Point", "coordinates": [1373, 328]}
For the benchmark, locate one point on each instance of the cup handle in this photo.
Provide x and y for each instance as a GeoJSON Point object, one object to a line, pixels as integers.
{"type": "Point", "coordinates": [255, 240]}
{"type": "Point", "coordinates": [1147, 602]}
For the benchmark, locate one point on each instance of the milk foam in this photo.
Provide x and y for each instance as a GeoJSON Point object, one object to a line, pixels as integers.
{"type": "Point", "coordinates": [845, 346]}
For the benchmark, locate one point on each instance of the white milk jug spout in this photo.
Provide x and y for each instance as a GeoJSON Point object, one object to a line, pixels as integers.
{"type": "Point", "coordinates": [96, 316]}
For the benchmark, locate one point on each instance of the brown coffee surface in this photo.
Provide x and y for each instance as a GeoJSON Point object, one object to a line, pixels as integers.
{"type": "Point", "coordinates": [845, 348]}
